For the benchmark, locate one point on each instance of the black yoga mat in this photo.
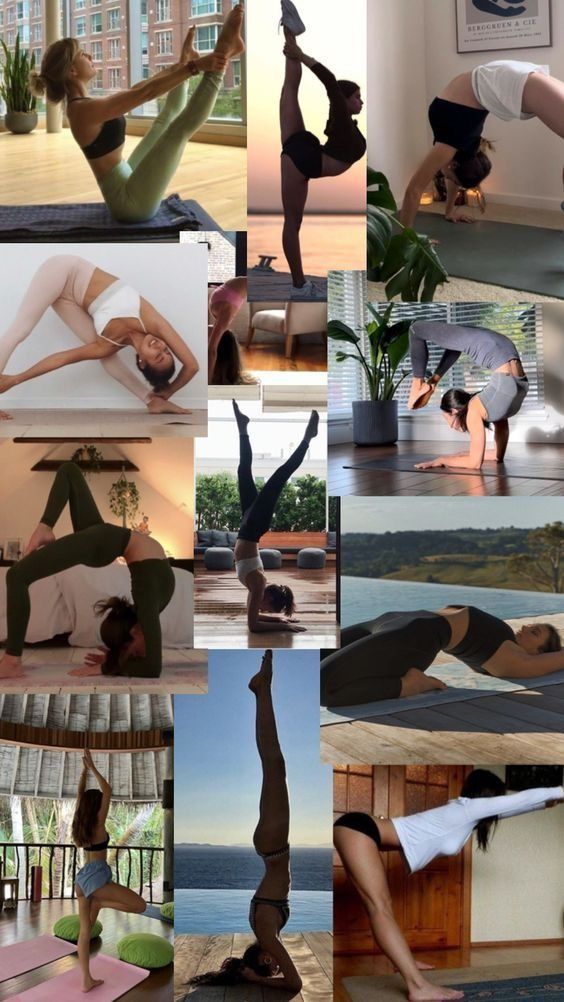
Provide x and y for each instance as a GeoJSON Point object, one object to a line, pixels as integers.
{"type": "Point", "coordinates": [526, 258]}
{"type": "Point", "coordinates": [528, 469]}
{"type": "Point", "coordinates": [91, 221]}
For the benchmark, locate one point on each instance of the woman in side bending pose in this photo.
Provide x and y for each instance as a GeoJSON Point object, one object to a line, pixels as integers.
{"type": "Point", "coordinates": [93, 883]}
{"type": "Point", "coordinates": [224, 360]}
{"type": "Point", "coordinates": [131, 633]}
{"type": "Point", "coordinates": [303, 156]}
{"type": "Point", "coordinates": [107, 315]}
{"type": "Point", "coordinates": [509, 89]}
{"type": "Point", "coordinates": [387, 657]}
{"type": "Point", "coordinates": [258, 508]}
{"type": "Point", "coordinates": [134, 188]}
{"type": "Point", "coordinates": [266, 961]}
{"type": "Point", "coordinates": [442, 831]}
{"type": "Point", "coordinates": [500, 399]}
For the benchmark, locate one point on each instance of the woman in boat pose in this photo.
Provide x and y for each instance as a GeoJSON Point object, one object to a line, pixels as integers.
{"type": "Point", "coordinates": [387, 657]}
{"type": "Point", "coordinates": [131, 633]}
{"type": "Point", "coordinates": [266, 962]}
{"type": "Point", "coordinates": [107, 315]}
{"type": "Point", "coordinates": [134, 188]}
{"type": "Point", "coordinates": [224, 358]}
{"type": "Point", "coordinates": [362, 840]}
{"type": "Point", "coordinates": [93, 883]}
{"type": "Point", "coordinates": [502, 397]}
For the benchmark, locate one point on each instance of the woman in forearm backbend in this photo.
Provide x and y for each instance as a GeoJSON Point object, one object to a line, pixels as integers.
{"type": "Point", "coordinates": [224, 360]}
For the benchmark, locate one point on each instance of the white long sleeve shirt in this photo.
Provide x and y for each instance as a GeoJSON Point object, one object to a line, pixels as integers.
{"type": "Point", "coordinates": [444, 831]}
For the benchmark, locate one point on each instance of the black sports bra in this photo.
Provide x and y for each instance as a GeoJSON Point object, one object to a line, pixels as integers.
{"type": "Point", "coordinates": [109, 138]}
{"type": "Point", "coordinates": [99, 845]}
{"type": "Point", "coordinates": [457, 125]}
{"type": "Point", "coordinates": [483, 638]}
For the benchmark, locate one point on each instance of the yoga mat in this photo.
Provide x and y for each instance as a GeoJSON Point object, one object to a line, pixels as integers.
{"type": "Point", "coordinates": [546, 988]}
{"type": "Point", "coordinates": [89, 221]}
{"type": "Point", "coordinates": [527, 258]}
{"type": "Point", "coordinates": [19, 958]}
{"type": "Point", "coordinates": [119, 978]}
{"type": "Point", "coordinates": [492, 980]}
{"type": "Point", "coordinates": [524, 469]}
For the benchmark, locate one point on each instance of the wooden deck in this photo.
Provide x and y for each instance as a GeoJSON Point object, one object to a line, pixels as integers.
{"type": "Point", "coordinates": [30, 920]}
{"type": "Point", "coordinates": [220, 610]}
{"type": "Point", "coordinates": [312, 953]}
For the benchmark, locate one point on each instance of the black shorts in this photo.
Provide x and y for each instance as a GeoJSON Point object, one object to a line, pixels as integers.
{"type": "Point", "coordinates": [304, 150]}
{"type": "Point", "coordinates": [359, 822]}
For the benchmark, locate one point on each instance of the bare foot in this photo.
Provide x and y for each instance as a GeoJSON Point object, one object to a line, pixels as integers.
{"type": "Point", "coordinates": [414, 682]}
{"type": "Point", "coordinates": [312, 426]}
{"type": "Point", "coordinates": [4, 416]}
{"type": "Point", "coordinates": [41, 537]}
{"type": "Point", "coordinates": [11, 666]}
{"type": "Point", "coordinates": [419, 390]}
{"type": "Point", "coordinates": [188, 52]}
{"type": "Point", "coordinates": [92, 983]}
{"type": "Point", "coordinates": [433, 993]}
{"type": "Point", "coordinates": [230, 41]}
{"type": "Point", "coordinates": [424, 967]}
{"type": "Point", "coordinates": [264, 675]}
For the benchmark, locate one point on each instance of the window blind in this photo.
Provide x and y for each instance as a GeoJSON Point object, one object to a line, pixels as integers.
{"type": "Point", "coordinates": [346, 301]}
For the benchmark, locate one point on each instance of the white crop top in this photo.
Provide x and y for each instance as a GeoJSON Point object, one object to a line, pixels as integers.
{"type": "Point", "coordinates": [244, 567]}
{"type": "Point", "coordinates": [443, 831]}
{"type": "Point", "coordinates": [114, 303]}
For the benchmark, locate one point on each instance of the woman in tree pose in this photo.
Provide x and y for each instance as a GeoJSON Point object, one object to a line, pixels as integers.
{"type": "Point", "coordinates": [224, 360]}
{"type": "Point", "coordinates": [303, 156]}
{"type": "Point", "coordinates": [258, 508]}
{"type": "Point", "coordinates": [107, 315]}
{"type": "Point", "coordinates": [509, 89]}
{"type": "Point", "coordinates": [443, 831]}
{"type": "Point", "coordinates": [133, 189]}
{"type": "Point", "coordinates": [131, 633]}
{"type": "Point", "coordinates": [500, 399]}
{"type": "Point", "coordinates": [94, 886]}
{"type": "Point", "coordinates": [266, 962]}
{"type": "Point", "coordinates": [387, 657]}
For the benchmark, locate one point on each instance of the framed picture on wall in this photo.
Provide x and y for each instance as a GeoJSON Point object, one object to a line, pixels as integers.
{"type": "Point", "coordinates": [495, 25]}
{"type": "Point", "coordinates": [12, 549]}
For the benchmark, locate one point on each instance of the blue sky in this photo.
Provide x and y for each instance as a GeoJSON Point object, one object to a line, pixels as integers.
{"type": "Point", "coordinates": [398, 514]}
{"type": "Point", "coordinates": [217, 769]}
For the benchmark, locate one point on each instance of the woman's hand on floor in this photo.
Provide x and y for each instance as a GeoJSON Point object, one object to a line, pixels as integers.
{"type": "Point", "coordinates": [158, 405]}
{"type": "Point", "coordinates": [460, 217]}
{"type": "Point", "coordinates": [430, 464]}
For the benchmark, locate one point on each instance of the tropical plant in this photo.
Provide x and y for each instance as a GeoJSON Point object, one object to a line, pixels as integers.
{"type": "Point", "coordinates": [405, 261]}
{"type": "Point", "coordinates": [388, 346]}
{"type": "Point", "coordinates": [124, 499]}
{"type": "Point", "coordinates": [15, 70]}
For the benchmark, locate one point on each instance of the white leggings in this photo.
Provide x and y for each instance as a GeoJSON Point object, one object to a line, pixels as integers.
{"type": "Point", "coordinates": [61, 282]}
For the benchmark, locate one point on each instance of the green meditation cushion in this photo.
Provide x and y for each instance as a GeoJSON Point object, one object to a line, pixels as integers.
{"type": "Point", "coordinates": [167, 910]}
{"type": "Point", "coordinates": [145, 950]}
{"type": "Point", "coordinates": [68, 927]}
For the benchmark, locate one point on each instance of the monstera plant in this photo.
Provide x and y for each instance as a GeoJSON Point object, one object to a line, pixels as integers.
{"type": "Point", "coordinates": [15, 68]}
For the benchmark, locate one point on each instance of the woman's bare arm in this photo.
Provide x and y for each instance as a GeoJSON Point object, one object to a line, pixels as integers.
{"type": "Point", "coordinates": [105, 787]}
{"type": "Point", "coordinates": [511, 661]}
{"type": "Point", "coordinates": [437, 158]}
{"type": "Point", "coordinates": [451, 214]}
{"type": "Point", "coordinates": [471, 460]}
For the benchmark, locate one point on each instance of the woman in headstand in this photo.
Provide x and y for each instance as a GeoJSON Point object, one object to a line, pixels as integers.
{"type": "Point", "coordinates": [361, 841]}
{"type": "Point", "coordinates": [131, 633]}
{"type": "Point", "coordinates": [266, 962]}
{"type": "Point", "coordinates": [303, 156]}
{"type": "Point", "coordinates": [107, 315]}
{"type": "Point", "coordinates": [387, 657]}
{"type": "Point", "coordinates": [509, 89]}
{"type": "Point", "coordinates": [225, 301]}
{"type": "Point", "coordinates": [258, 508]}
{"type": "Point", "coordinates": [93, 883]}
{"type": "Point", "coordinates": [500, 399]}
{"type": "Point", "coordinates": [134, 188]}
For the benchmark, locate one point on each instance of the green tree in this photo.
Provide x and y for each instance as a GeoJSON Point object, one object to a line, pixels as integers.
{"type": "Point", "coordinates": [217, 501]}
{"type": "Point", "coordinates": [543, 563]}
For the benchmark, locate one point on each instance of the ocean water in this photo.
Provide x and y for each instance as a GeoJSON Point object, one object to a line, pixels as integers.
{"type": "Point", "coordinates": [344, 235]}
{"type": "Point", "coordinates": [238, 867]}
{"type": "Point", "coordinates": [366, 598]}
{"type": "Point", "coordinates": [210, 912]}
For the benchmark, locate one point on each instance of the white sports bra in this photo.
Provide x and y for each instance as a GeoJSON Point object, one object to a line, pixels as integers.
{"type": "Point", "coordinates": [244, 567]}
{"type": "Point", "coordinates": [117, 301]}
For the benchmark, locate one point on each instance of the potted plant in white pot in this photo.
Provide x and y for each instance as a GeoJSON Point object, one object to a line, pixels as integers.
{"type": "Point", "coordinates": [21, 116]}
{"type": "Point", "coordinates": [375, 420]}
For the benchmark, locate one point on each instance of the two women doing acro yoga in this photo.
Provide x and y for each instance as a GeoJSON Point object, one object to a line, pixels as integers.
{"type": "Point", "coordinates": [361, 842]}
{"type": "Point", "coordinates": [387, 657]}
{"type": "Point", "coordinates": [509, 89]}
{"type": "Point", "coordinates": [131, 633]}
{"type": "Point", "coordinates": [224, 358]}
{"type": "Point", "coordinates": [303, 156]}
{"type": "Point", "coordinates": [501, 398]}
{"type": "Point", "coordinates": [266, 962]}
{"type": "Point", "coordinates": [107, 315]}
{"type": "Point", "coordinates": [258, 509]}
{"type": "Point", "coordinates": [133, 189]}
{"type": "Point", "coordinates": [93, 883]}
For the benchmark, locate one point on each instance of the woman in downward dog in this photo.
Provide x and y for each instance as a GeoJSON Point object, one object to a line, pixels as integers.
{"type": "Point", "coordinates": [258, 508]}
{"type": "Point", "coordinates": [93, 883]}
{"type": "Point", "coordinates": [224, 360]}
{"type": "Point", "coordinates": [361, 841]}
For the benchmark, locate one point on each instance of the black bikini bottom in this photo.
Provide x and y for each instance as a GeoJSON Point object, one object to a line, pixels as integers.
{"type": "Point", "coordinates": [359, 822]}
{"type": "Point", "coordinates": [304, 150]}
{"type": "Point", "coordinates": [282, 904]}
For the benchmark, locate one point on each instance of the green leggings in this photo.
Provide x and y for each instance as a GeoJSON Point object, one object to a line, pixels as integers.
{"type": "Point", "coordinates": [93, 542]}
{"type": "Point", "coordinates": [134, 189]}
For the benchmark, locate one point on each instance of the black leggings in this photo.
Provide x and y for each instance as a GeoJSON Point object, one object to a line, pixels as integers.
{"type": "Point", "coordinates": [374, 656]}
{"type": "Point", "coordinates": [258, 506]}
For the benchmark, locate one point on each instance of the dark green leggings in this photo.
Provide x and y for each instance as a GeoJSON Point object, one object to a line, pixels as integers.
{"type": "Point", "coordinates": [93, 542]}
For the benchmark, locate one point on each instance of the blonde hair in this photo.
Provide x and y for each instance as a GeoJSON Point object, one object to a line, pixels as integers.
{"type": "Point", "coordinates": [55, 66]}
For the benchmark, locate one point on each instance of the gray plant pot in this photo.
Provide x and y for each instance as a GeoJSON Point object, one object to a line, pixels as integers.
{"type": "Point", "coordinates": [20, 122]}
{"type": "Point", "coordinates": [375, 422]}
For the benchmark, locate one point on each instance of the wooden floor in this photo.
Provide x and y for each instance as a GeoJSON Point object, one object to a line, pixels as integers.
{"type": "Point", "coordinates": [378, 483]}
{"type": "Point", "coordinates": [312, 953]}
{"type": "Point", "coordinates": [86, 425]}
{"type": "Point", "coordinates": [269, 358]}
{"type": "Point", "coordinates": [263, 286]}
{"type": "Point", "coordinates": [220, 616]}
{"type": "Point", "coordinates": [41, 168]}
{"type": "Point", "coordinates": [30, 920]}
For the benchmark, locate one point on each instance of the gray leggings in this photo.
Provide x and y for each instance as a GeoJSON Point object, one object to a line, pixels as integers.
{"type": "Point", "coordinates": [504, 395]}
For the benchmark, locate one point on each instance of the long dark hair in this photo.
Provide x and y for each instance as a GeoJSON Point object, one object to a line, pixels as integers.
{"type": "Point", "coordinates": [347, 88]}
{"type": "Point", "coordinates": [115, 630]}
{"type": "Point", "coordinates": [472, 168]}
{"type": "Point", "coordinates": [228, 369]}
{"type": "Point", "coordinates": [85, 817]}
{"type": "Point", "coordinates": [457, 400]}
{"type": "Point", "coordinates": [553, 642]}
{"type": "Point", "coordinates": [230, 971]}
{"type": "Point", "coordinates": [483, 783]}
{"type": "Point", "coordinates": [281, 598]}
{"type": "Point", "coordinates": [158, 378]}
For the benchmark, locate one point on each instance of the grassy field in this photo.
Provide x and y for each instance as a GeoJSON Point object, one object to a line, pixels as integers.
{"type": "Point", "coordinates": [463, 569]}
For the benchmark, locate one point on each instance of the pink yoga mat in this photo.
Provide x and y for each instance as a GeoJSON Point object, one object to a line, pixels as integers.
{"type": "Point", "coordinates": [22, 957]}
{"type": "Point", "coordinates": [119, 978]}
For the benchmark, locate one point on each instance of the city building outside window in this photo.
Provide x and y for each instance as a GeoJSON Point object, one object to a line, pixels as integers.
{"type": "Point", "coordinates": [164, 43]}
{"type": "Point", "coordinates": [113, 19]}
{"type": "Point", "coordinates": [114, 78]}
{"type": "Point", "coordinates": [201, 7]}
{"type": "Point", "coordinates": [36, 30]}
{"type": "Point", "coordinates": [22, 10]}
{"type": "Point", "coordinates": [206, 37]}
{"type": "Point", "coordinates": [96, 52]}
{"type": "Point", "coordinates": [80, 27]}
{"type": "Point", "coordinates": [36, 8]}
{"type": "Point", "coordinates": [114, 48]}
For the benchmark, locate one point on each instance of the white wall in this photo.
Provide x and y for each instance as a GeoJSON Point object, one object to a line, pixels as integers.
{"type": "Point", "coordinates": [517, 889]}
{"type": "Point", "coordinates": [172, 278]}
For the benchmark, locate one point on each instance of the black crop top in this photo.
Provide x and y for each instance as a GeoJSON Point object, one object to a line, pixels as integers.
{"type": "Point", "coordinates": [345, 141]}
{"type": "Point", "coordinates": [457, 125]}
{"type": "Point", "coordinates": [109, 138]}
{"type": "Point", "coordinates": [483, 638]}
{"type": "Point", "coordinates": [99, 846]}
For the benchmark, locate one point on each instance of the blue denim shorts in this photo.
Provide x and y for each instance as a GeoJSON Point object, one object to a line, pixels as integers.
{"type": "Point", "coordinates": [93, 876]}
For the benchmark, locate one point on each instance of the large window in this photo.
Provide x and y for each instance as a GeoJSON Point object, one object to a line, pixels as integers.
{"type": "Point", "coordinates": [36, 8]}
{"type": "Point", "coordinates": [201, 7]}
{"type": "Point", "coordinates": [96, 24]}
{"type": "Point", "coordinates": [114, 78]}
{"type": "Point", "coordinates": [114, 49]}
{"type": "Point", "coordinates": [80, 27]}
{"type": "Point", "coordinates": [96, 52]}
{"type": "Point", "coordinates": [164, 43]}
{"type": "Point", "coordinates": [162, 10]}
{"type": "Point", "coordinates": [36, 30]}
{"type": "Point", "coordinates": [114, 19]}
{"type": "Point", "coordinates": [206, 37]}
